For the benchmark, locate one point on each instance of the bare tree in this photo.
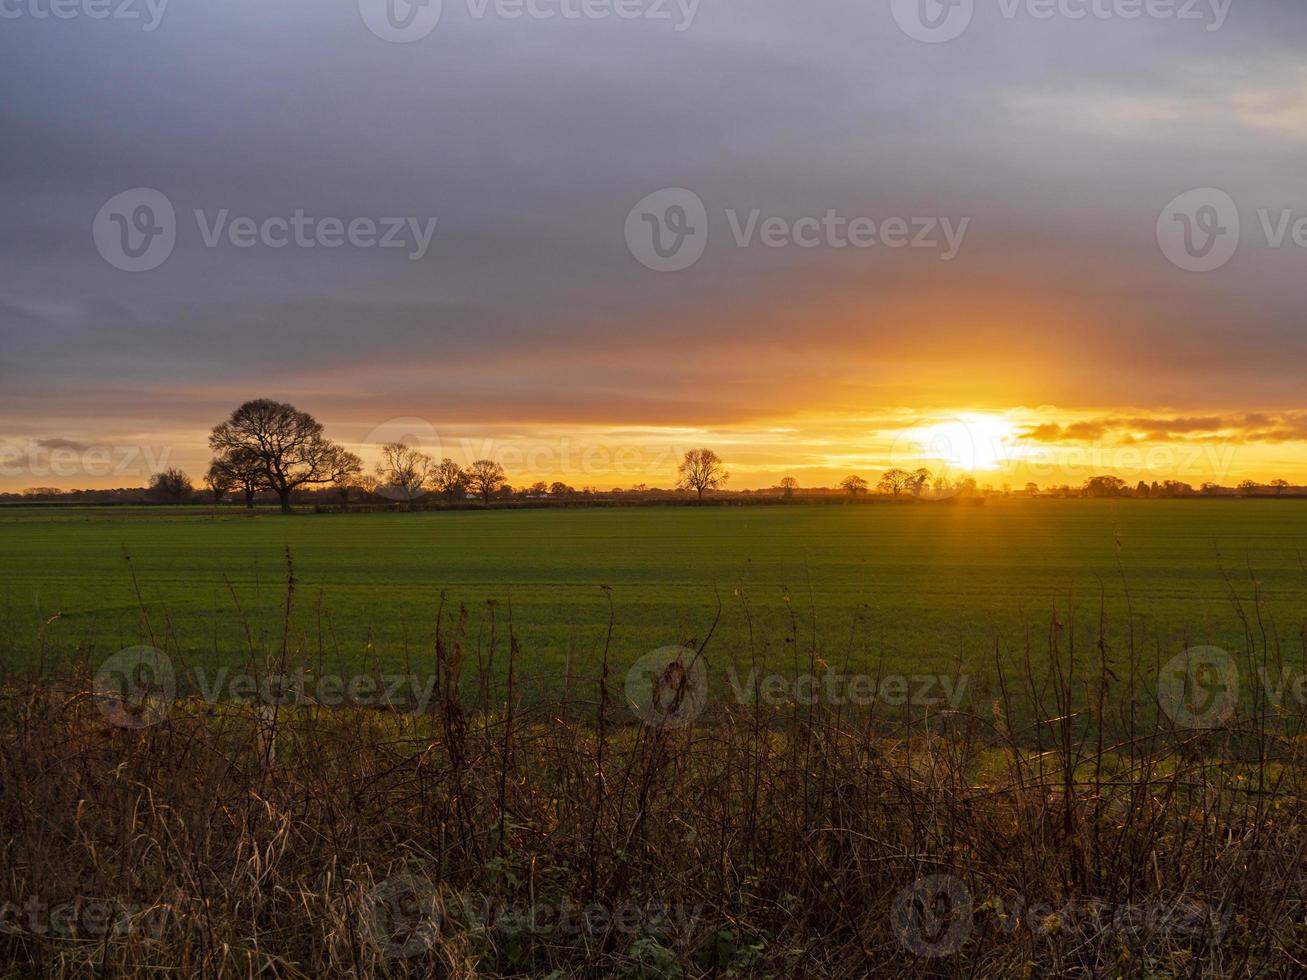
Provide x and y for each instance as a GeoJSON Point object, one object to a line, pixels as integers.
{"type": "Point", "coordinates": [288, 445]}
{"type": "Point", "coordinates": [788, 486]}
{"type": "Point", "coordinates": [853, 485]}
{"type": "Point", "coordinates": [219, 481]}
{"type": "Point", "coordinates": [403, 472]}
{"type": "Point", "coordinates": [895, 481]}
{"type": "Point", "coordinates": [172, 485]}
{"type": "Point", "coordinates": [485, 477]}
{"type": "Point", "coordinates": [701, 470]}
{"type": "Point", "coordinates": [448, 479]}
{"type": "Point", "coordinates": [240, 469]}
{"type": "Point", "coordinates": [1106, 486]}
{"type": "Point", "coordinates": [1280, 486]}
{"type": "Point", "coordinates": [917, 480]}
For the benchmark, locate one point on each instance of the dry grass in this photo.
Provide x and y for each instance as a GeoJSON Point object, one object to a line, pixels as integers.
{"type": "Point", "coordinates": [535, 840]}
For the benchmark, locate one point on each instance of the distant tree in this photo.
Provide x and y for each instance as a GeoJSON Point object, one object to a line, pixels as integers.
{"type": "Point", "coordinates": [853, 485]}
{"type": "Point", "coordinates": [403, 472]}
{"type": "Point", "coordinates": [1142, 489]}
{"type": "Point", "coordinates": [560, 489]}
{"type": "Point", "coordinates": [485, 477]}
{"type": "Point", "coordinates": [1174, 488]}
{"type": "Point", "coordinates": [1032, 489]}
{"type": "Point", "coordinates": [964, 486]}
{"type": "Point", "coordinates": [219, 480]}
{"type": "Point", "coordinates": [448, 479]}
{"type": "Point", "coordinates": [894, 481]}
{"type": "Point", "coordinates": [788, 485]}
{"type": "Point", "coordinates": [288, 444]}
{"type": "Point", "coordinates": [1211, 489]}
{"type": "Point", "coordinates": [538, 489]}
{"type": "Point", "coordinates": [1105, 486]}
{"type": "Point", "coordinates": [350, 484]}
{"type": "Point", "coordinates": [1280, 486]}
{"type": "Point", "coordinates": [242, 470]}
{"type": "Point", "coordinates": [1249, 487]}
{"type": "Point", "coordinates": [917, 481]}
{"type": "Point", "coordinates": [701, 470]}
{"type": "Point", "coordinates": [172, 485]}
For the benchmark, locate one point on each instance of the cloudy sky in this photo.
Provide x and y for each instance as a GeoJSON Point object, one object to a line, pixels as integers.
{"type": "Point", "coordinates": [881, 224]}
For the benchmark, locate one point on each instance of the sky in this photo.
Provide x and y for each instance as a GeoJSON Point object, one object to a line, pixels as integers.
{"type": "Point", "coordinates": [1027, 239]}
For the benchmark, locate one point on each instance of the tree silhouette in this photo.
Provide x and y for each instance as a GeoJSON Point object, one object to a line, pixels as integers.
{"type": "Point", "coordinates": [485, 477]}
{"type": "Point", "coordinates": [287, 444]}
{"type": "Point", "coordinates": [701, 470]}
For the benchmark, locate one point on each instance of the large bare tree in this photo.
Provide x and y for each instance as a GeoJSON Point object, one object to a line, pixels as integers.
{"type": "Point", "coordinates": [701, 470]}
{"type": "Point", "coordinates": [485, 477]}
{"type": "Point", "coordinates": [287, 444]}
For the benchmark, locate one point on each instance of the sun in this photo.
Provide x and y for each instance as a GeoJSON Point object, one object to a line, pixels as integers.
{"type": "Point", "coordinates": [971, 442]}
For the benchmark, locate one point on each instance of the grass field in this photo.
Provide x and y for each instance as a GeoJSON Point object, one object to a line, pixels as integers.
{"type": "Point", "coordinates": [1069, 830]}
{"type": "Point", "coordinates": [908, 588]}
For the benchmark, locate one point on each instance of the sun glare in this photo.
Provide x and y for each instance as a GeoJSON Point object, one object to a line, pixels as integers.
{"type": "Point", "coordinates": [972, 442]}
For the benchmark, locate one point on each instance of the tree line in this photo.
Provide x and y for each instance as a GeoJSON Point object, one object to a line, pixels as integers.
{"type": "Point", "coordinates": [266, 446]}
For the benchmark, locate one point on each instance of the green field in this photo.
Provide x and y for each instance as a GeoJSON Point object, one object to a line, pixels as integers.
{"type": "Point", "coordinates": [908, 588]}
